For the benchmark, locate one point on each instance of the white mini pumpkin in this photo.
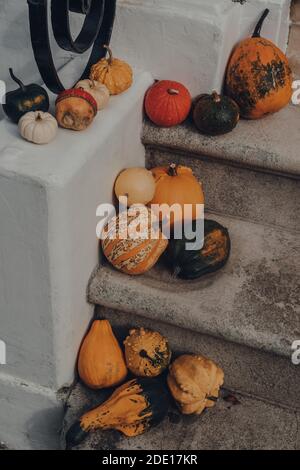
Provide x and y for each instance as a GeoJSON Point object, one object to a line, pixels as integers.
{"type": "Point", "coordinates": [98, 91]}
{"type": "Point", "coordinates": [38, 127]}
{"type": "Point", "coordinates": [137, 184]}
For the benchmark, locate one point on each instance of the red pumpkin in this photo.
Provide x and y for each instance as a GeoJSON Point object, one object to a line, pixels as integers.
{"type": "Point", "coordinates": [168, 103]}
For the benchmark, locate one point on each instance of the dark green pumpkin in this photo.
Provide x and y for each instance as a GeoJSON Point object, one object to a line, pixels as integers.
{"type": "Point", "coordinates": [25, 99]}
{"type": "Point", "coordinates": [215, 114]}
{"type": "Point", "coordinates": [192, 264]}
{"type": "Point", "coordinates": [132, 409]}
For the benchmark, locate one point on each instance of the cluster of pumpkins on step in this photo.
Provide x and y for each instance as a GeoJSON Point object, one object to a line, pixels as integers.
{"type": "Point", "coordinates": [146, 192]}
{"type": "Point", "coordinates": [149, 381]}
{"type": "Point", "coordinates": [75, 108]}
{"type": "Point", "coordinates": [258, 82]}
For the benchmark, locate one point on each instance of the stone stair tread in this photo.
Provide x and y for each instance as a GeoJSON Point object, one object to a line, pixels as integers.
{"type": "Point", "coordinates": [270, 144]}
{"type": "Point", "coordinates": [253, 300]}
{"type": "Point", "coordinates": [250, 424]}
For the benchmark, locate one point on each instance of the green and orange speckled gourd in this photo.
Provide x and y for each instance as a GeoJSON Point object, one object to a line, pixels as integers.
{"type": "Point", "coordinates": [132, 409]}
{"type": "Point", "coordinates": [259, 78]}
{"type": "Point", "coordinates": [147, 352]}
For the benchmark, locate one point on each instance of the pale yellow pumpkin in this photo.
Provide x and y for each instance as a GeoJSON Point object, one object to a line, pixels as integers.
{"type": "Point", "coordinates": [115, 74]}
{"type": "Point", "coordinates": [98, 91]}
{"type": "Point", "coordinates": [194, 382]}
{"type": "Point", "coordinates": [38, 127]}
{"type": "Point", "coordinates": [136, 184]}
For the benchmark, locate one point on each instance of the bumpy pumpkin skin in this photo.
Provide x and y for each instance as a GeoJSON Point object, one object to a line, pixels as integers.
{"type": "Point", "coordinates": [131, 255]}
{"type": "Point", "coordinates": [176, 184]}
{"type": "Point", "coordinates": [194, 382]}
{"type": "Point", "coordinates": [75, 109]}
{"type": "Point", "coordinates": [215, 115]}
{"type": "Point", "coordinates": [101, 361]}
{"type": "Point", "coordinates": [147, 353]}
{"type": "Point", "coordinates": [115, 74]}
{"type": "Point", "coordinates": [259, 77]}
{"type": "Point", "coordinates": [132, 409]}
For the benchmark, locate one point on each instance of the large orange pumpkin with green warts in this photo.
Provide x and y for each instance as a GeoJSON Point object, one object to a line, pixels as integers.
{"type": "Point", "coordinates": [259, 78]}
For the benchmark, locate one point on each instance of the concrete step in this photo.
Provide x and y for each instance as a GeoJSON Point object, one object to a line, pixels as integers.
{"type": "Point", "coordinates": [246, 316]}
{"type": "Point", "coordinates": [252, 172]}
{"type": "Point", "coordinates": [248, 424]}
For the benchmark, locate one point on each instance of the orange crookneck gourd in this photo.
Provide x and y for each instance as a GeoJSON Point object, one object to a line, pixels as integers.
{"type": "Point", "coordinates": [259, 78]}
{"type": "Point", "coordinates": [132, 409]}
{"type": "Point", "coordinates": [101, 362]}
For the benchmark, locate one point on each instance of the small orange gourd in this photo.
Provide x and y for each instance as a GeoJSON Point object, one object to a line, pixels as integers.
{"type": "Point", "coordinates": [115, 74]}
{"type": "Point", "coordinates": [101, 361]}
{"type": "Point", "coordinates": [259, 78]}
{"type": "Point", "coordinates": [147, 352]}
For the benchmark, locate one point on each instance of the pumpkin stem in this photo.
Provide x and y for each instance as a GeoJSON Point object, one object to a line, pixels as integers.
{"type": "Point", "coordinates": [110, 55]}
{"type": "Point", "coordinates": [38, 117]}
{"type": "Point", "coordinates": [259, 25]}
{"type": "Point", "coordinates": [172, 91]}
{"type": "Point", "coordinates": [216, 97]}
{"type": "Point", "coordinates": [172, 169]}
{"type": "Point", "coordinates": [17, 80]}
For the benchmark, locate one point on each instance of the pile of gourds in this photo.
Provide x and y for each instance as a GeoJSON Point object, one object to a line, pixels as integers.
{"type": "Point", "coordinates": [146, 391]}
{"type": "Point", "coordinates": [258, 82]}
{"type": "Point", "coordinates": [149, 195]}
{"type": "Point", "coordinates": [75, 109]}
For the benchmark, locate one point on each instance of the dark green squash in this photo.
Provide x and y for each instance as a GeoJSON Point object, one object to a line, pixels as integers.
{"type": "Point", "coordinates": [132, 409]}
{"type": "Point", "coordinates": [193, 264]}
{"type": "Point", "coordinates": [215, 114]}
{"type": "Point", "coordinates": [25, 99]}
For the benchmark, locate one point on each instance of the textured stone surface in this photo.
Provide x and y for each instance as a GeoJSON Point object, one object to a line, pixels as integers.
{"type": "Point", "coordinates": [238, 191]}
{"type": "Point", "coordinates": [271, 144]}
{"type": "Point", "coordinates": [249, 424]}
{"type": "Point", "coordinates": [253, 301]}
{"type": "Point", "coordinates": [263, 375]}
{"type": "Point", "coordinates": [295, 11]}
{"type": "Point", "coordinates": [294, 49]}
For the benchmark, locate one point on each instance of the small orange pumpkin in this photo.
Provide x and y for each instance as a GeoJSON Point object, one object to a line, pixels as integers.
{"type": "Point", "coordinates": [75, 109]}
{"type": "Point", "coordinates": [259, 78]}
{"type": "Point", "coordinates": [115, 74]}
{"type": "Point", "coordinates": [168, 103]}
{"type": "Point", "coordinates": [176, 185]}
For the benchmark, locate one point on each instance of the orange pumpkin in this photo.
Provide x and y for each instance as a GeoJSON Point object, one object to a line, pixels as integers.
{"type": "Point", "coordinates": [259, 78]}
{"type": "Point", "coordinates": [168, 103]}
{"type": "Point", "coordinates": [176, 185]}
{"type": "Point", "coordinates": [132, 241]}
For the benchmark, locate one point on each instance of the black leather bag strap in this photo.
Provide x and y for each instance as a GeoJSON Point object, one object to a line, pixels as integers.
{"type": "Point", "coordinates": [60, 12]}
{"type": "Point", "coordinates": [39, 30]}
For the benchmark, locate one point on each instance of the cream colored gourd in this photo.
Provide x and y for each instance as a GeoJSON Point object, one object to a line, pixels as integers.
{"type": "Point", "coordinates": [38, 127]}
{"type": "Point", "coordinates": [137, 184]}
{"type": "Point", "coordinates": [98, 91]}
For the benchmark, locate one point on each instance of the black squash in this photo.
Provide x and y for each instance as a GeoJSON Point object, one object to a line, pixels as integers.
{"type": "Point", "coordinates": [193, 264]}
{"type": "Point", "coordinates": [215, 114]}
{"type": "Point", "coordinates": [132, 409]}
{"type": "Point", "coordinates": [25, 99]}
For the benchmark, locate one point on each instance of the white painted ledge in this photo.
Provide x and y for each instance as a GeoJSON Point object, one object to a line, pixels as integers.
{"type": "Point", "coordinates": [48, 246]}
{"type": "Point", "coordinates": [191, 40]}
